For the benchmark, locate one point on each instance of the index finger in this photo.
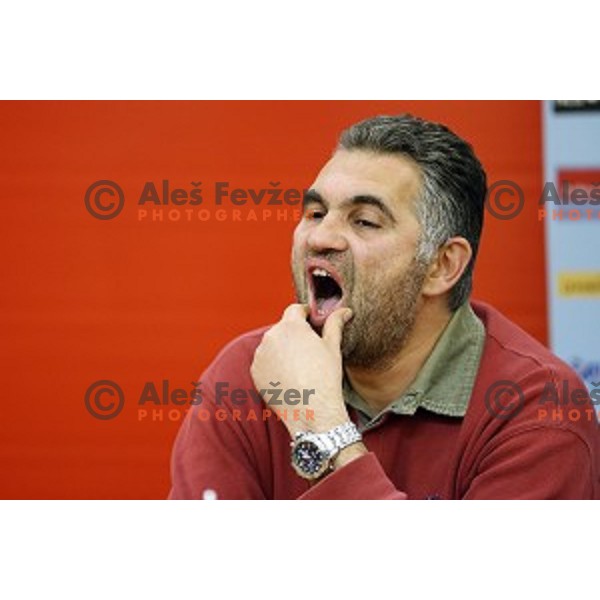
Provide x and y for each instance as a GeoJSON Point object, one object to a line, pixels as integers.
{"type": "Point", "coordinates": [295, 312]}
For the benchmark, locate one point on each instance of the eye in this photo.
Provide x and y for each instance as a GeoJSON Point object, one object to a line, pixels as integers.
{"type": "Point", "coordinates": [314, 214]}
{"type": "Point", "coordinates": [365, 223]}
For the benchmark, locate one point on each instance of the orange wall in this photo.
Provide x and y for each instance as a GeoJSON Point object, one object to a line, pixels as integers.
{"type": "Point", "coordinates": [136, 301]}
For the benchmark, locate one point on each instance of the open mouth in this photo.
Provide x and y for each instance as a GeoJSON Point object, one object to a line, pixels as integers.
{"type": "Point", "coordinates": [326, 294]}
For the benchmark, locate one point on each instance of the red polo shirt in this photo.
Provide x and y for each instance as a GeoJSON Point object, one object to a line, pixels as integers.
{"type": "Point", "coordinates": [546, 444]}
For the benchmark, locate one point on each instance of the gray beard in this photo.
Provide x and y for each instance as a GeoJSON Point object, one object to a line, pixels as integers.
{"type": "Point", "coordinates": [383, 318]}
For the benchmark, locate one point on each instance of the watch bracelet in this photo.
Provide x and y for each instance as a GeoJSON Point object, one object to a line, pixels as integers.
{"type": "Point", "coordinates": [344, 435]}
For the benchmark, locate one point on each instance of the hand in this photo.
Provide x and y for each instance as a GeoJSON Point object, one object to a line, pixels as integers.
{"type": "Point", "coordinates": [294, 357]}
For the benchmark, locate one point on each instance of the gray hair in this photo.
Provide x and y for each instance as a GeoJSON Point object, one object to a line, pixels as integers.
{"type": "Point", "coordinates": [453, 190]}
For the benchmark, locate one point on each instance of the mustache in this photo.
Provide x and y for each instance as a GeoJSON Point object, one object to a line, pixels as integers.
{"type": "Point", "coordinates": [341, 262]}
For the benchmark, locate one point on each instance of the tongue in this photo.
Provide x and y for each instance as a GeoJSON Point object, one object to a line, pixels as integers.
{"type": "Point", "coordinates": [327, 305]}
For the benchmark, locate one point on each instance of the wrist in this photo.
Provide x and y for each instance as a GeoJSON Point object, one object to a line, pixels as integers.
{"type": "Point", "coordinates": [348, 454]}
{"type": "Point", "coordinates": [314, 454]}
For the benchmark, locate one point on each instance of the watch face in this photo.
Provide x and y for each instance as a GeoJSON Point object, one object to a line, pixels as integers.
{"type": "Point", "coordinates": [308, 459]}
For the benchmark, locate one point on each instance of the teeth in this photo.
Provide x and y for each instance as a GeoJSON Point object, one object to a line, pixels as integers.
{"type": "Point", "coordinates": [321, 273]}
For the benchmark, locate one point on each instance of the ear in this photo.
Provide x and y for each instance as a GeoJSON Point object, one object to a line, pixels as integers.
{"type": "Point", "coordinates": [447, 268]}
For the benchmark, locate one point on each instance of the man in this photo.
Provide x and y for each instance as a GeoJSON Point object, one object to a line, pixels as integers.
{"type": "Point", "coordinates": [396, 385]}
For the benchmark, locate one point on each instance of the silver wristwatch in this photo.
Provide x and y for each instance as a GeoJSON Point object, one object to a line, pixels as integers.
{"type": "Point", "coordinates": [313, 453]}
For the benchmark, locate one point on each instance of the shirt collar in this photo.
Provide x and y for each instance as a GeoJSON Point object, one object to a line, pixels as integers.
{"type": "Point", "coordinates": [445, 382]}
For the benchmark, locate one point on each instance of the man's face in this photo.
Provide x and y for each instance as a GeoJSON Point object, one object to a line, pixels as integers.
{"type": "Point", "coordinates": [355, 246]}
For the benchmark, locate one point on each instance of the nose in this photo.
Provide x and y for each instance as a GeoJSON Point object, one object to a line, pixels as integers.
{"type": "Point", "coordinates": [326, 235]}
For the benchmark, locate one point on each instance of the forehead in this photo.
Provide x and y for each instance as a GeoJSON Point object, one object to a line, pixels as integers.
{"type": "Point", "coordinates": [395, 179]}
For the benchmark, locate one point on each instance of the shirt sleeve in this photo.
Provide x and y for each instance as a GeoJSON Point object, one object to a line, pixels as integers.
{"type": "Point", "coordinates": [211, 458]}
{"type": "Point", "coordinates": [360, 479]}
{"type": "Point", "coordinates": [214, 455]}
{"type": "Point", "coordinates": [539, 463]}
